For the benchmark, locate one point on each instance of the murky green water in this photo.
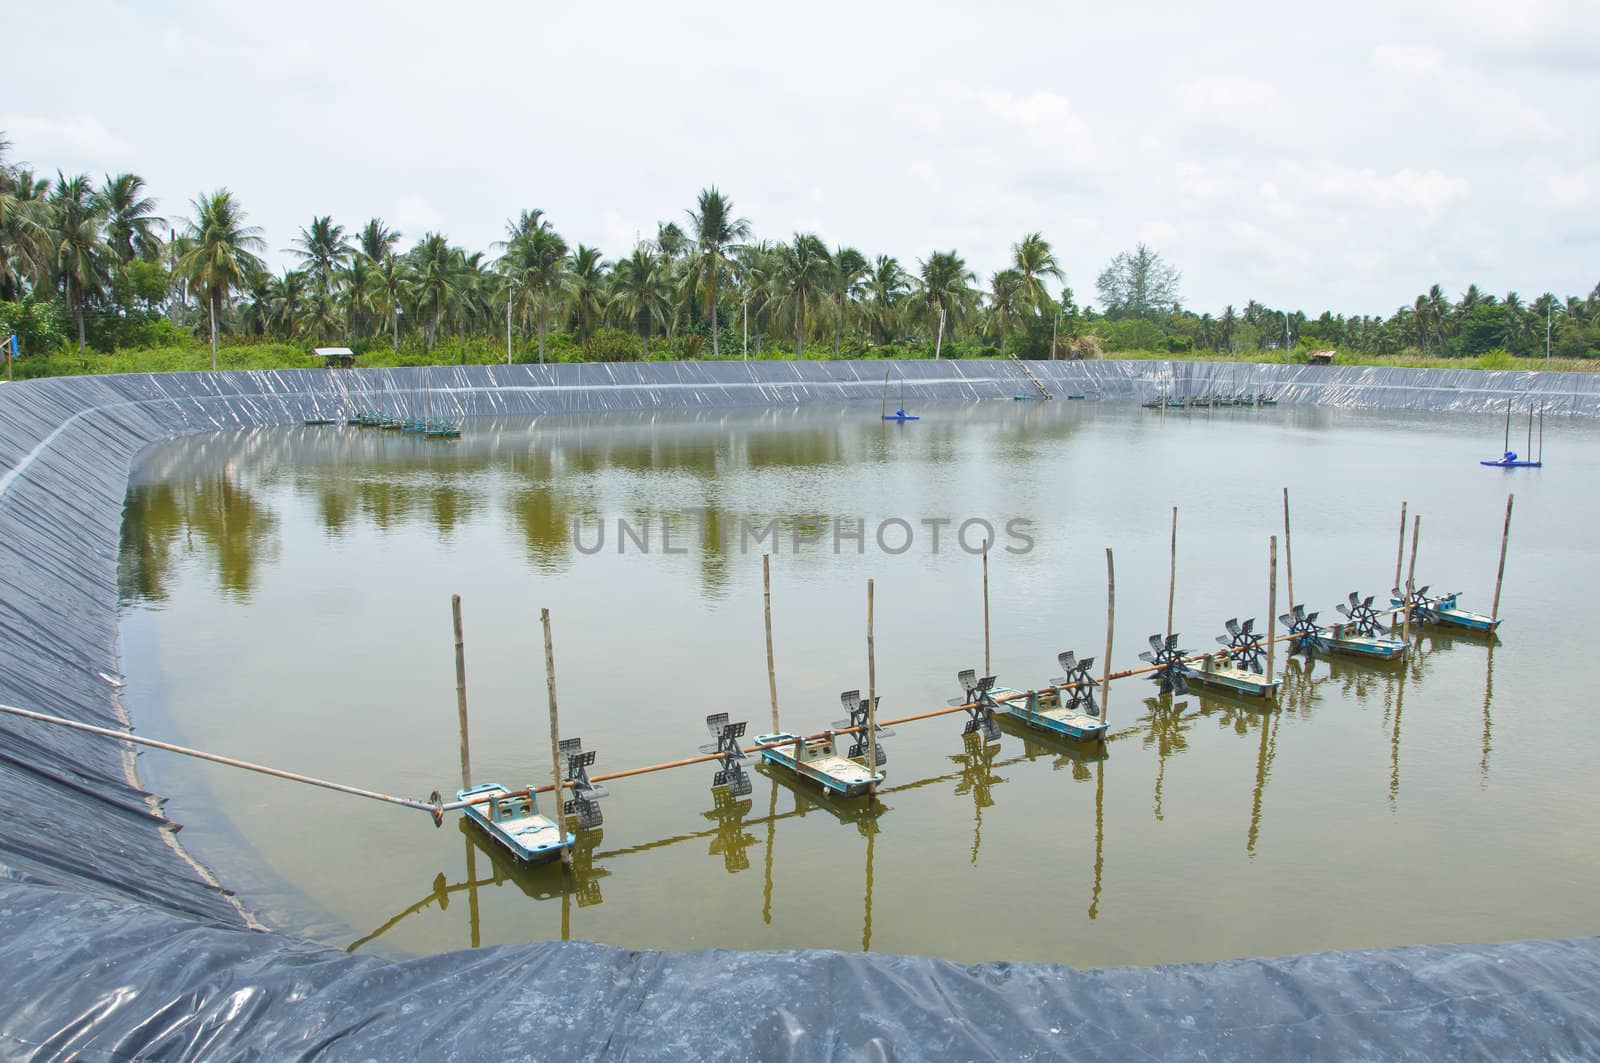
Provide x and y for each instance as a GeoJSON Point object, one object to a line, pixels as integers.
{"type": "Point", "coordinates": [288, 601]}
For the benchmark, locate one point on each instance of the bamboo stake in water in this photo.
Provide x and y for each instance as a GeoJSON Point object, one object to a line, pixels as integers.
{"type": "Point", "coordinates": [766, 598]}
{"type": "Point", "coordinates": [461, 692]}
{"type": "Point", "coordinates": [559, 794]}
{"type": "Point", "coordinates": [1505, 535]}
{"type": "Point", "coordinates": [986, 669]}
{"type": "Point", "coordinates": [1272, 603]}
{"type": "Point", "coordinates": [1411, 577]}
{"type": "Point", "coordinates": [1288, 550]}
{"type": "Point", "coordinates": [1400, 554]}
{"type": "Point", "coordinates": [1111, 616]}
{"type": "Point", "coordinates": [872, 699]}
{"type": "Point", "coordinates": [1172, 581]}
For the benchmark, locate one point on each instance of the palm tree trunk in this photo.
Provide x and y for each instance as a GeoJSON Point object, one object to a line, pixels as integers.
{"type": "Point", "coordinates": [838, 327]}
{"type": "Point", "coordinates": [541, 329]}
{"type": "Point", "coordinates": [77, 312]}
{"type": "Point", "coordinates": [211, 306]}
{"type": "Point", "coordinates": [800, 327]}
{"type": "Point", "coordinates": [716, 348]}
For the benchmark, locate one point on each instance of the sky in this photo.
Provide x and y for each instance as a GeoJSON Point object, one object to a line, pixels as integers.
{"type": "Point", "coordinates": [1311, 157]}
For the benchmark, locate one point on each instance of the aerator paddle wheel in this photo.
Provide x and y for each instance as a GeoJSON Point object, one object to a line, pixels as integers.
{"type": "Point", "coordinates": [1168, 659]}
{"type": "Point", "coordinates": [1076, 684]}
{"type": "Point", "coordinates": [1305, 636]}
{"type": "Point", "coordinates": [975, 697]}
{"type": "Point", "coordinates": [584, 804]}
{"type": "Point", "coordinates": [1423, 608]}
{"type": "Point", "coordinates": [1244, 645]}
{"type": "Point", "coordinates": [1363, 618]}
{"type": "Point", "coordinates": [856, 706]}
{"type": "Point", "coordinates": [731, 774]}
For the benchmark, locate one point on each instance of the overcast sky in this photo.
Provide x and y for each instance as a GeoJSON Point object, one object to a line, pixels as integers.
{"type": "Point", "coordinates": [1310, 156]}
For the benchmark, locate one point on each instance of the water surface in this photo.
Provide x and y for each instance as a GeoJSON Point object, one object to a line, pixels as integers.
{"type": "Point", "coordinates": [287, 599]}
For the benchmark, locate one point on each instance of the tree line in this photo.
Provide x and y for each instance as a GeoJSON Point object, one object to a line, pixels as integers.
{"type": "Point", "coordinates": [95, 265]}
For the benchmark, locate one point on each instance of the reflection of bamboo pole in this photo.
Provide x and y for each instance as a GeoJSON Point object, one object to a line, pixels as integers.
{"type": "Point", "coordinates": [1400, 554]}
{"type": "Point", "coordinates": [866, 923]}
{"type": "Point", "coordinates": [766, 599]}
{"type": "Point", "coordinates": [461, 692]}
{"type": "Point", "coordinates": [1272, 602]}
{"type": "Point", "coordinates": [872, 697]}
{"type": "Point", "coordinates": [1111, 615]}
{"type": "Point", "coordinates": [474, 924]}
{"type": "Point", "coordinates": [555, 753]}
{"type": "Point", "coordinates": [1505, 536]}
{"type": "Point", "coordinates": [766, 893]}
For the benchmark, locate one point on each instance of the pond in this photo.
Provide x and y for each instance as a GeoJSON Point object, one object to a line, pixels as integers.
{"type": "Point", "coordinates": [286, 599]}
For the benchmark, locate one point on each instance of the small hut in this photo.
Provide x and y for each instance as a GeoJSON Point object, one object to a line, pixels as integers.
{"type": "Point", "coordinates": [335, 357]}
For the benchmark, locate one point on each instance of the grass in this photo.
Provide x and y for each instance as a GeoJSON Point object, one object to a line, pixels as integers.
{"type": "Point", "coordinates": [196, 357]}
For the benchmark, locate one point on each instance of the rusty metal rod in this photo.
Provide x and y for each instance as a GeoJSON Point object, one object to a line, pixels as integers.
{"type": "Point", "coordinates": [216, 758]}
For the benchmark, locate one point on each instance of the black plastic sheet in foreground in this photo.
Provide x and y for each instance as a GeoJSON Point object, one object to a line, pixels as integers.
{"type": "Point", "coordinates": [96, 979]}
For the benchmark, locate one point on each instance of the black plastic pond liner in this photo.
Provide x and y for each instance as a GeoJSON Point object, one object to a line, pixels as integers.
{"type": "Point", "coordinates": [114, 944]}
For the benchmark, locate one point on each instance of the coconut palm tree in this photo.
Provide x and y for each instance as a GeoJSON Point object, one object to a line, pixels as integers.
{"type": "Point", "coordinates": [287, 297]}
{"type": "Point", "coordinates": [585, 292]}
{"type": "Point", "coordinates": [849, 270]}
{"type": "Point", "coordinates": [639, 292]}
{"type": "Point", "coordinates": [132, 225]}
{"type": "Point", "coordinates": [1034, 260]}
{"type": "Point", "coordinates": [1008, 302]}
{"type": "Point", "coordinates": [392, 287]}
{"type": "Point", "coordinates": [886, 286]}
{"type": "Point", "coordinates": [376, 240]}
{"type": "Point", "coordinates": [77, 249]}
{"type": "Point", "coordinates": [433, 268]}
{"type": "Point", "coordinates": [323, 250]}
{"type": "Point", "coordinates": [222, 257]}
{"type": "Point", "coordinates": [358, 285]}
{"type": "Point", "coordinates": [22, 229]}
{"type": "Point", "coordinates": [536, 264]}
{"type": "Point", "coordinates": [755, 268]}
{"type": "Point", "coordinates": [804, 268]}
{"type": "Point", "coordinates": [946, 286]}
{"type": "Point", "coordinates": [715, 232]}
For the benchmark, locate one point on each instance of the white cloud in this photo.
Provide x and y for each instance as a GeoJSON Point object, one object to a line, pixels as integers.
{"type": "Point", "coordinates": [79, 139]}
{"type": "Point", "coordinates": [1408, 60]}
{"type": "Point", "coordinates": [1230, 101]}
{"type": "Point", "coordinates": [1572, 188]}
{"type": "Point", "coordinates": [1427, 191]}
{"type": "Point", "coordinates": [413, 215]}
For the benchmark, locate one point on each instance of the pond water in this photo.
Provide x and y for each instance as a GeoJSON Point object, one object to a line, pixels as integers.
{"type": "Point", "coordinates": [287, 600]}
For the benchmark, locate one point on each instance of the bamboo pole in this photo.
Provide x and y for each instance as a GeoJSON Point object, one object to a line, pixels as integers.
{"type": "Point", "coordinates": [435, 808]}
{"type": "Point", "coordinates": [1400, 554]}
{"type": "Point", "coordinates": [461, 693]}
{"type": "Point", "coordinates": [1272, 603]}
{"type": "Point", "coordinates": [986, 667]}
{"type": "Point", "coordinates": [766, 599]}
{"type": "Point", "coordinates": [1288, 551]}
{"type": "Point", "coordinates": [1411, 577]}
{"type": "Point", "coordinates": [1500, 575]}
{"type": "Point", "coordinates": [1172, 580]}
{"type": "Point", "coordinates": [555, 743]}
{"type": "Point", "coordinates": [872, 697]}
{"type": "Point", "coordinates": [1111, 616]}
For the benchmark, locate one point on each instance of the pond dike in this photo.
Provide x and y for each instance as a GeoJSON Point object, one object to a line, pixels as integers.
{"type": "Point", "coordinates": [116, 944]}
